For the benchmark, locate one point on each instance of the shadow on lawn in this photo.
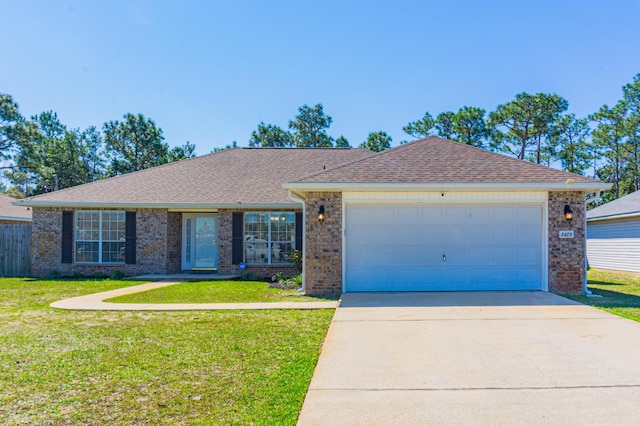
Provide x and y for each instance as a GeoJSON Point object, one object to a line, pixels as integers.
{"type": "Point", "coordinates": [612, 299]}
{"type": "Point", "coordinates": [596, 282]}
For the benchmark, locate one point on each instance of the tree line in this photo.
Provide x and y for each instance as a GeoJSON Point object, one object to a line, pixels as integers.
{"type": "Point", "coordinates": [532, 127]}
{"type": "Point", "coordinates": [41, 154]}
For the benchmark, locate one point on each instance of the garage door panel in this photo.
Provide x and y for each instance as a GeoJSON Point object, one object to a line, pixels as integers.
{"type": "Point", "coordinates": [432, 255]}
{"type": "Point", "coordinates": [505, 234]}
{"type": "Point", "coordinates": [431, 215]}
{"type": "Point", "coordinates": [400, 247]}
{"type": "Point", "coordinates": [455, 234]}
{"type": "Point", "coordinates": [384, 235]}
{"type": "Point", "coordinates": [528, 235]}
{"type": "Point", "coordinates": [528, 215]}
{"type": "Point", "coordinates": [480, 215]}
{"type": "Point", "coordinates": [410, 215]}
{"type": "Point", "coordinates": [408, 234]}
{"type": "Point", "coordinates": [456, 215]}
{"type": "Point", "coordinates": [429, 232]}
{"type": "Point", "coordinates": [478, 234]}
{"type": "Point", "coordinates": [385, 215]}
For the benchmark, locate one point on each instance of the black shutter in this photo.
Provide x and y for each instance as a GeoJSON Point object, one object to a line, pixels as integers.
{"type": "Point", "coordinates": [130, 239]}
{"type": "Point", "coordinates": [67, 237]}
{"type": "Point", "coordinates": [237, 232]}
{"type": "Point", "coordinates": [299, 231]}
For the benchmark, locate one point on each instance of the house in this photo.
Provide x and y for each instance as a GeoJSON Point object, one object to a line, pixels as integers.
{"type": "Point", "coordinates": [428, 215]}
{"type": "Point", "coordinates": [13, 215]}
{"type": "Point", "coordinates": [613, 234]}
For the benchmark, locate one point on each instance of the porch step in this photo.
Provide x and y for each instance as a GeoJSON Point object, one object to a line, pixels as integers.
{"type": "Point", "coordinates": [203, 270]}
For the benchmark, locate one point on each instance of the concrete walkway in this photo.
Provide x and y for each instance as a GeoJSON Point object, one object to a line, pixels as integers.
{"type": "Point", "coordinates": [95, 302]}
{"type": "Point", "coordinates": [495, 358]}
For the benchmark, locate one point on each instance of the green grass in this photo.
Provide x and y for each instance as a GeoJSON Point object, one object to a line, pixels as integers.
{"type": "Point", "coordinates": [199, 367]}
{"type": "Point", "coordinates": [216, 292]}
{"type": "Point", "coordinates": [620, 292]}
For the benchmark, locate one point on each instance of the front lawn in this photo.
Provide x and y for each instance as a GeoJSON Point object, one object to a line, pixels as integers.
{"type": "Point", "coordinates": [620, 292]}
{"type": "Point", "coordinates": [198, 367]}
{"type": "Point", "coordinates": [216, 292]}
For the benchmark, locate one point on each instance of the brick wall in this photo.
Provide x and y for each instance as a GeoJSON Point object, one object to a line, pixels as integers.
{"type": "Point", "coordinates": [225, 248]}
{"type": "Point", "coordinates": [566, 255]}
{"type": "Point", "coordinates": [152, 253]}
{"type": "Point", "coordinates": [323, 268]}
{"type": "Point", "coordinates": [174, 242]}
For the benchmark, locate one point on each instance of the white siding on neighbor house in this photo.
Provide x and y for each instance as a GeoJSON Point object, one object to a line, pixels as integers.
{"type": "Point", "coordinates": [614, 244]}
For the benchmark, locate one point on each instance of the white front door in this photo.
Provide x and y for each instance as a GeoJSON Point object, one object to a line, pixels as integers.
{"type": "Point", "coordinates": [199, 241]}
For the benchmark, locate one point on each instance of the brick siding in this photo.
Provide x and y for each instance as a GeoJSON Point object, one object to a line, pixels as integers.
{"type": "Point", "coordinates": [323, 268]}
{"type": "Point", "coordinates": [153, 254]}
{"type": "Point", "coordinates": [225, 248]}
{"type": "Point", "coordinates": [566, 255]}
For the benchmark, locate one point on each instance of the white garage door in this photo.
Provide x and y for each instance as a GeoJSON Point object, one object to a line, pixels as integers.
{"type": "Point", "coordinates": [443, 247]}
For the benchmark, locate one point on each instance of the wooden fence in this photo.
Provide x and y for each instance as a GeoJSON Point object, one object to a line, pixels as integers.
{"type": "Point", "coordinates": [15, 250]}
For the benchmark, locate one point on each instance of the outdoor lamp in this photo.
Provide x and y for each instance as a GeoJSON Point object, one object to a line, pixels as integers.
{"type": "Point", "coordinates": [568, 213]}
{"type": "Point", "coordinates": [321, 215]}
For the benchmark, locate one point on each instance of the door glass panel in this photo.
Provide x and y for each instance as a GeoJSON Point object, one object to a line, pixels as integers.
{"type": "Point", "coordinates": [188, 242]}
{"type": "Point", "coordinates": [206, 244]}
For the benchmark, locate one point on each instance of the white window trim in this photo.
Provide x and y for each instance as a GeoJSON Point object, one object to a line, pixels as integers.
{"type": "Point", "coordinates": [99, 241]}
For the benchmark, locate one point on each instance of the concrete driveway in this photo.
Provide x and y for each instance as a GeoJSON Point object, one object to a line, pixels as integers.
{"type": "Point", "coordinates": [474, 358]}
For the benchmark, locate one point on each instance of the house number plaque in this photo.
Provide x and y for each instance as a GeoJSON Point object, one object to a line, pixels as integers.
{"type": "Point", "coordinates": [566, 234]}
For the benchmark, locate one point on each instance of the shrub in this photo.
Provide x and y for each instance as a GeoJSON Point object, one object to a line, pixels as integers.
{"type": "Point", "coordinates": [53, 275]}
{"type": "Point", "coordinates": [250, 276]}
{"type": "Point", "coordinates": [296, 258]}
{"type": "Point", "coordinates": [279, 281]}
{"type": "Point", "coordinates": [117, 274]}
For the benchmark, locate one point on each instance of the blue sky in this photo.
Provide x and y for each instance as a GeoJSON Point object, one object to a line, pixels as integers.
{"type": "Point", "coordinates": [210, 71]}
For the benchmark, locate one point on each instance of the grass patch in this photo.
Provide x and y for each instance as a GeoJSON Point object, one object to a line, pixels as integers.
{"type": "Point", "coordinates": [620, 292]}
{"type": "Point", "coordinates": [212, 367]}
{"type": "Point", "coordinates": [29, 294]}
{"type": "Point", "coordinates": [216, 292]}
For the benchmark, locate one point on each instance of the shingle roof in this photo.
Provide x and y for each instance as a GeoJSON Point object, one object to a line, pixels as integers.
{"type": "Point", "coordinates": [437, 160]}
{"type": "Point", "coordinates": [629, 204]}
{"type": "Point", "coordinates": [246, 175]}
{"type": "Point", "coordinates": [10, 212]}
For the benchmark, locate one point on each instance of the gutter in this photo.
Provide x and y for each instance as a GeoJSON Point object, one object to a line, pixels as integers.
{"type": "Point", "coordinates": [298, 199]}
{"type": "Point", "coordinates": [190, 206]}
{"type": "Point", "coordinates": [569, 185]}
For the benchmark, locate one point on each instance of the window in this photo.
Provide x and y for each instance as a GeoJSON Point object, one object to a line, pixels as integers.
{"type": "Point", "coordinates": [269, 237]}
{"type": "Point", "coordinates": [100, 237]}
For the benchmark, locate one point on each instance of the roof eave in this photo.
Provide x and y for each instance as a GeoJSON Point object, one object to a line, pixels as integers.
{"type": "Point", "coordinates": [614, 216]}
{"type": "Point", "coordinates": [448, 186]}
{"type": "Point", "coordinates": [130, 205]}
{"type": "Point", "coordinates": [15, 218]}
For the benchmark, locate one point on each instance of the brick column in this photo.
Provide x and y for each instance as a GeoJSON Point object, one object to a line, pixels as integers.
{"type": "Point", "coordinates": [566, 255]}
{"type": "Point", "coordinates": [323, 262]}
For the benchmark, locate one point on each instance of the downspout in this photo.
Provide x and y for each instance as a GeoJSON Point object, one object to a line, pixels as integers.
{"type": "Point", "coordinates": [588, 292]}
{"type": "Point", "coordinates": [297, 199]}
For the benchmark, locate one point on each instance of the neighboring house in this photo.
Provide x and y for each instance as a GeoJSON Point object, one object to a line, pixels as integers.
{"type": "Point", "coordinates": [613, 234]}
{"type": "Point", "coordinates": [428, 215]}
{"type": "Point", "coordinates": [13, 215]}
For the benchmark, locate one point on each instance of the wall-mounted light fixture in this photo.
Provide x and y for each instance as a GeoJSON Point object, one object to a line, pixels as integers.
{"type": "Point", "coordinates": [321, 215]}
{"type": "Point", "coordinates": [568, 213]}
